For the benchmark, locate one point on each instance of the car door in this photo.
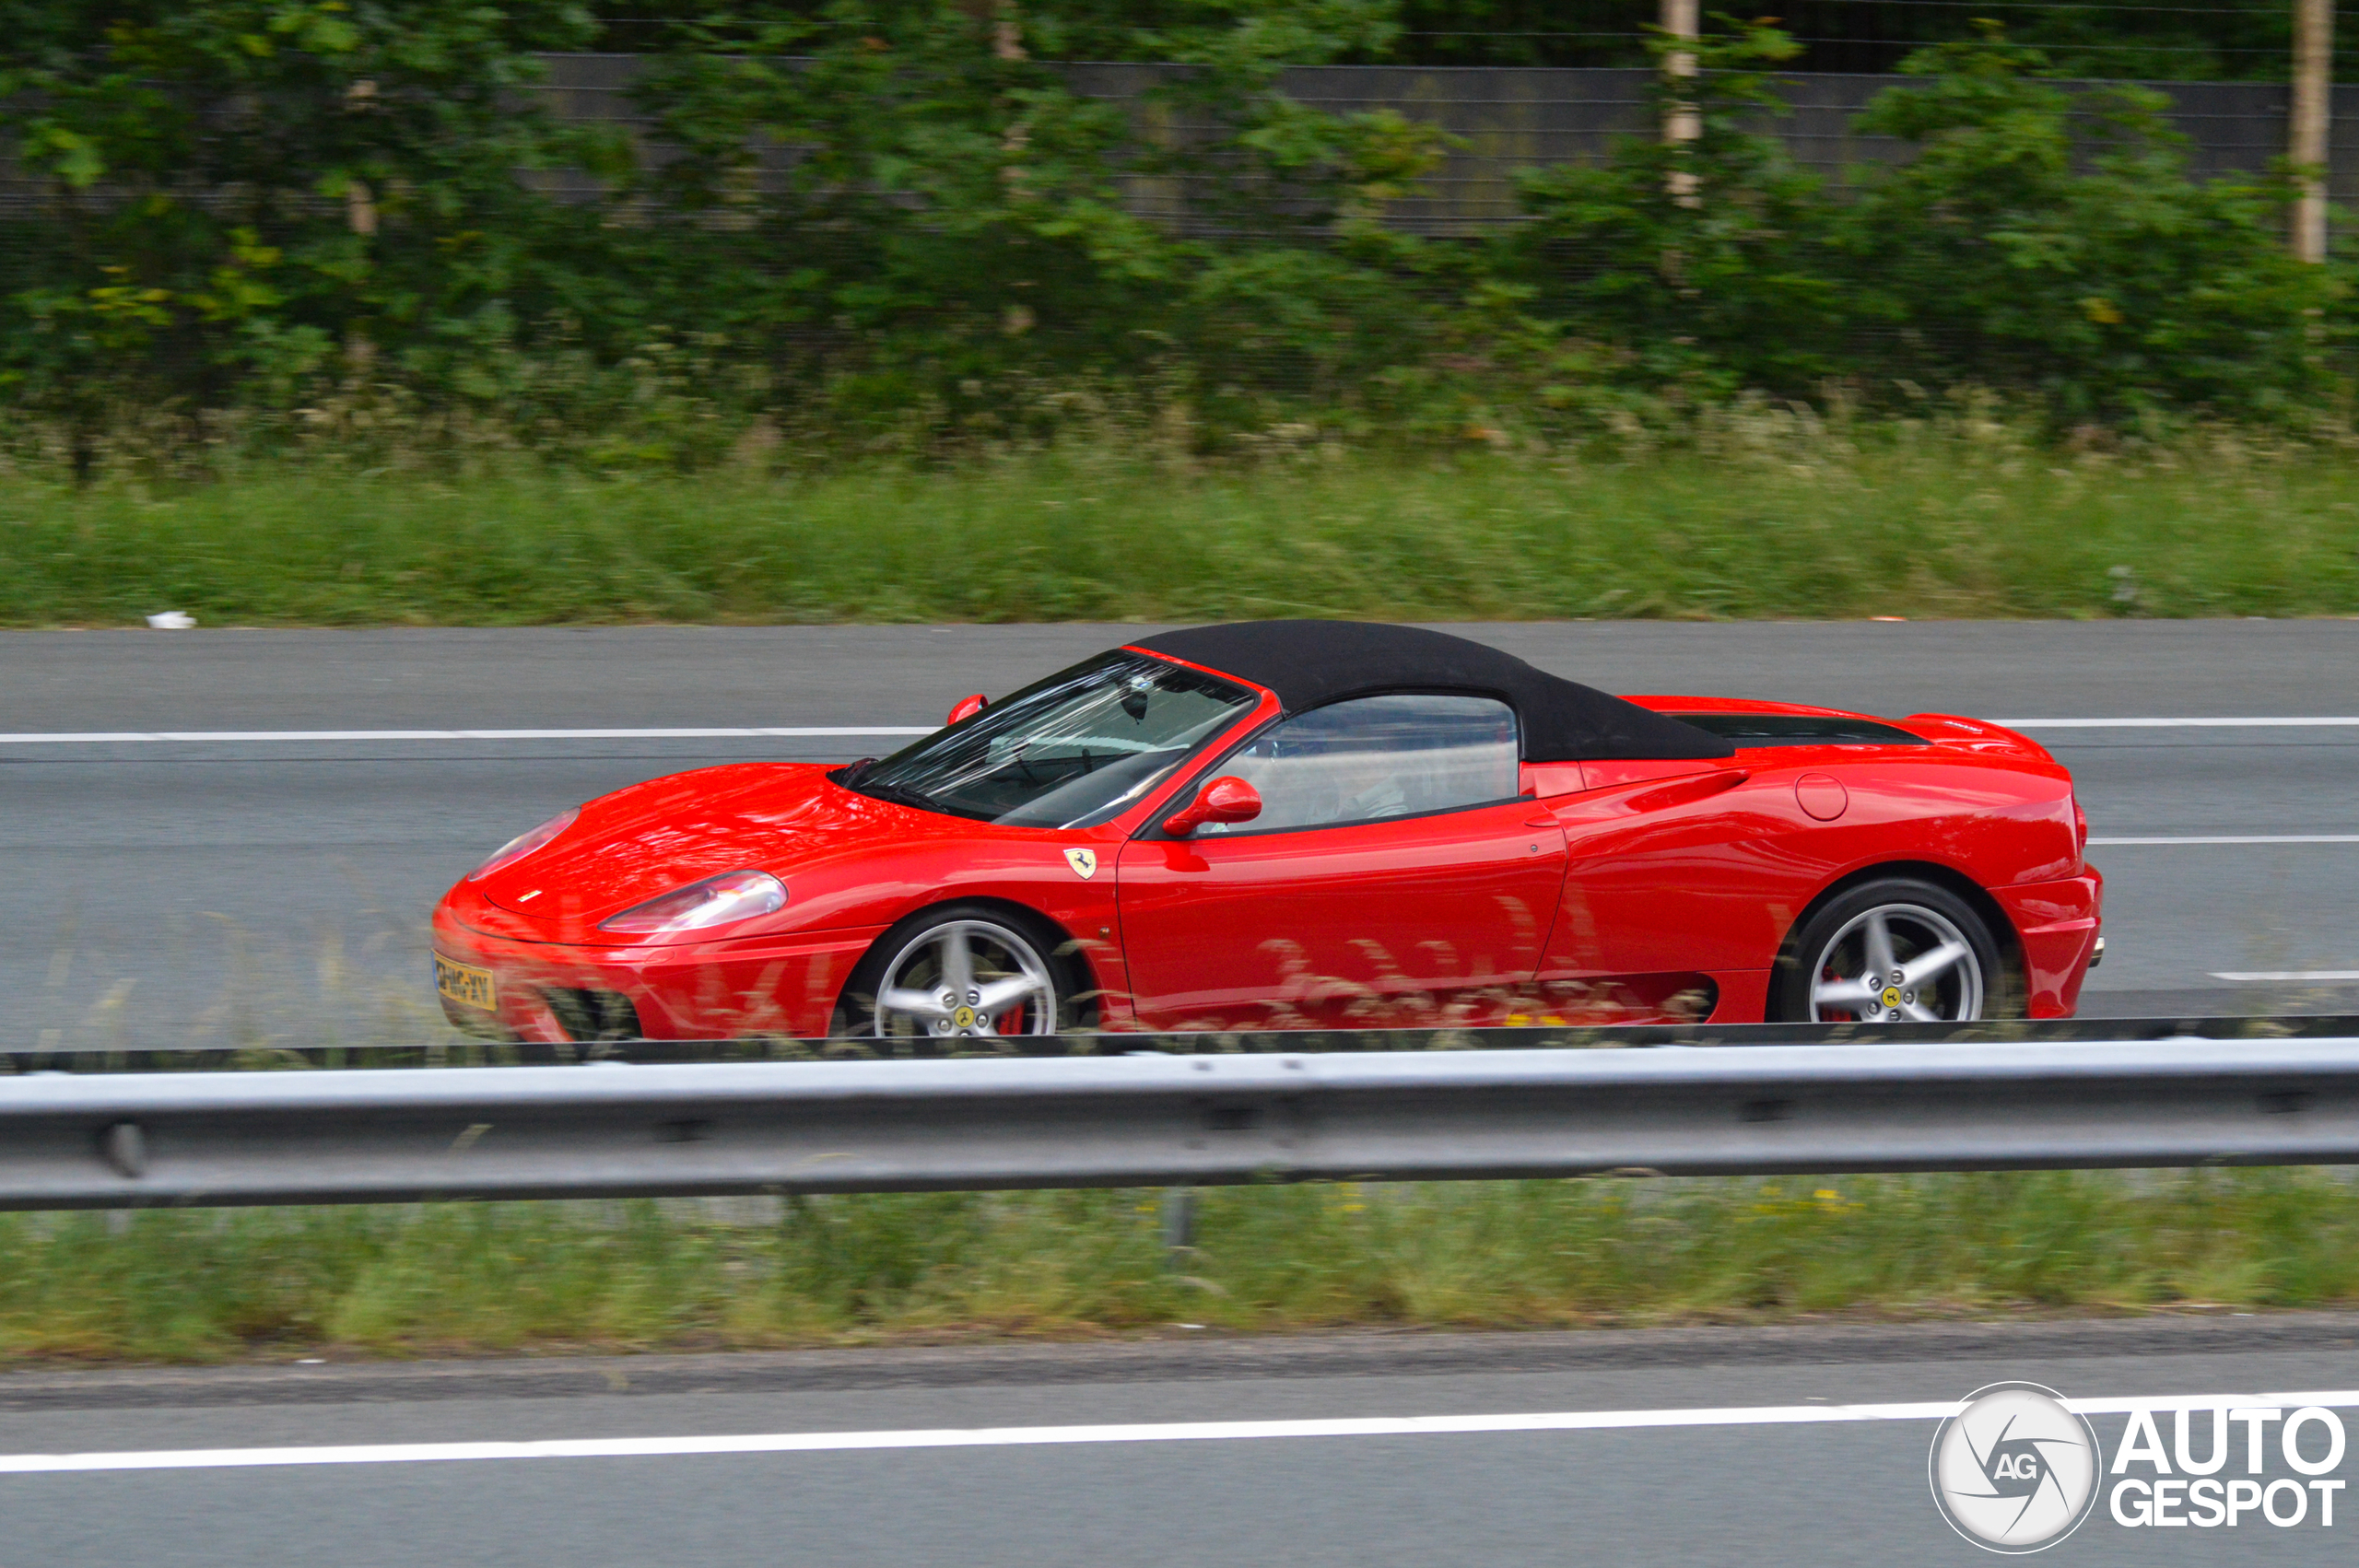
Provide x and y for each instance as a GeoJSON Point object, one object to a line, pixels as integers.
{"type": "Point", "coordinates": [1392, 871]}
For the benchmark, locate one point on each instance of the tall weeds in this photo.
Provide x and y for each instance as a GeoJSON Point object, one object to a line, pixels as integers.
{"type": "Point", "coordinates": [680, 1274]}
{"type": "Point", "coordinates": [1763, 510]}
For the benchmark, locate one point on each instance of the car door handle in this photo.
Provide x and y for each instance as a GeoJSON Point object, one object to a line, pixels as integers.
{"type": "Point", "coordinates": [1543, 820]}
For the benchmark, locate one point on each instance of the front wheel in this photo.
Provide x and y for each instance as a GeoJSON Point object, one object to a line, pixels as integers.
{"type": "Point", "coordinates": [1896, 950]}
{"type": "Point", "coordinates": [962, 972]}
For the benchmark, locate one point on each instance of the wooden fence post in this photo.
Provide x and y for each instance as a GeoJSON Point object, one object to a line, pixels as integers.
{"type": "Point", "coordinates": [1682, 20]}
{"type": "Point", "coordinates": [2313, 114]}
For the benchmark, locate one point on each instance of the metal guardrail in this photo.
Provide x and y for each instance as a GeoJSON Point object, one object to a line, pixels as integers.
{"type": "Point", "coordinates": [117, 1141]}
{"type": "Point", "coordinates": [218, 1056]}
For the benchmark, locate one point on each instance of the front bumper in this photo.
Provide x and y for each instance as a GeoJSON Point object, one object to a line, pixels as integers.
{"type": "Point", "coordinates": [553, 992]}
{"type": "Point", "coordinates": [2057, 925]}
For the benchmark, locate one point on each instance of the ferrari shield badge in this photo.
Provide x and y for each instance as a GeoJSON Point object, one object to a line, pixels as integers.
{"type": "Point", "coordinates": [1083, 861]}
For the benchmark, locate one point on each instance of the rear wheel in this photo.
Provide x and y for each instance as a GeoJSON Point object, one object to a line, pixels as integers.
{"type": "Point", "coordinates": [1896, 950]}
{"type": "Point", "coordinates": [962, 972]}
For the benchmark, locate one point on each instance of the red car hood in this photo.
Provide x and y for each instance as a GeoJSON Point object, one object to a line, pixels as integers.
{"type": "Point", "coordinates": [643, 841]}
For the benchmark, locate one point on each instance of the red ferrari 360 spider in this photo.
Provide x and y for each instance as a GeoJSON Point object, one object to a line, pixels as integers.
{"type": "Point", "coordinates": [1299, 824]}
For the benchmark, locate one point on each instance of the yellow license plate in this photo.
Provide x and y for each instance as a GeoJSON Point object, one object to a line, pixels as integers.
{"type": "Point", "coordinates": [466, 984]}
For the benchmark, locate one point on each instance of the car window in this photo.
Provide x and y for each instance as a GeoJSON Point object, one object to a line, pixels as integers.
{"type": "Point", "coordinates": [1072, 751]}
{"type": "Point", "coordinates": [1378, 757]}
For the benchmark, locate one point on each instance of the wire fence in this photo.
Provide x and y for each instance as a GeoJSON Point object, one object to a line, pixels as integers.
{"type": "Point", "coordinates": [2230, 40]}
{"type": "Point", "coordinates": [1500, 119]}
{"type": "Point", "coordinates": [1504, 119]}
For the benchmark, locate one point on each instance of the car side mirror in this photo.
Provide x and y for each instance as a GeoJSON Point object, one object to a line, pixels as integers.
{"type": "Point", "coordinates": [1224, 800]}
{"type": "Point", "coordinates": [968, 706]}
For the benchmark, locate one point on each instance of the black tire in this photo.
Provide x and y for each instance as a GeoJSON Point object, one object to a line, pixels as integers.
{"type": "Point", "coordinates": [1003, 948]}
{"type": "Point", "coordinates": [1825, 965]}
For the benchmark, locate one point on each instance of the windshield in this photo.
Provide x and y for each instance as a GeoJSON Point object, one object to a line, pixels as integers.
{"type": "Point", "coordinates": [1072, 751]}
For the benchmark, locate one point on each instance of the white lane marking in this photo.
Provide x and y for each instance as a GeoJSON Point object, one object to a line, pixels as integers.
{"type": "Point", "coordinates": [2242, 838]}
{"type": "Point", "coordinates": [2176, 723]}
{"type": "Point", "coordinates": [2293, 975]}
{"type": "Point", "coordinates": [1039, 1436]}
{"type": "Point", "coordinates": [119, 737]}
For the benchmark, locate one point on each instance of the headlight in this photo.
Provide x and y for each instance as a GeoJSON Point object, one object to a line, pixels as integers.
{"type": "Point", "coordinates": [523, 844]}
{"type": "Point", "coordinates": [716, 901]}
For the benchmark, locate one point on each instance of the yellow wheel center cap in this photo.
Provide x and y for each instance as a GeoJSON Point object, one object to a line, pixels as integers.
{"type": "Point", "coordinates": [964, 1017]}
{"type": "Point", "coordinates": [1892, 996]}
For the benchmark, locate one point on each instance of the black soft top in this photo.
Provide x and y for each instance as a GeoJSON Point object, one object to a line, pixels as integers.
{"type": "Point", "coordinates": [1312, 664]}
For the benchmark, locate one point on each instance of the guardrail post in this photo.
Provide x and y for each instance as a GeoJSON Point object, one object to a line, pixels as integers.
{"type": "Point", "coordinates": [1179, 1223]}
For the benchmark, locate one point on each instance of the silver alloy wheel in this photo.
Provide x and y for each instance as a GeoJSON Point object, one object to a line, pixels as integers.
{"type": "Point", "coordinates": [965, 979]}
{"type": "Point", "coordinates": [1896, 963]}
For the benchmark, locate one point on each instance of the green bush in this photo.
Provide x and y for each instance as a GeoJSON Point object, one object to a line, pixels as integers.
{"type": "Point", "coordinates": [2054, 242]}
{"type": "Point", "coordinates": [1713, 260]}
{"type": "Point", "coordinates": [888, 224]}
{"type": "Point", "coordinates": [241, 199]}
{"type": "Point", "coordinates": [952, 215]}
{"type": "Point", "coordinates": [2041, 240]}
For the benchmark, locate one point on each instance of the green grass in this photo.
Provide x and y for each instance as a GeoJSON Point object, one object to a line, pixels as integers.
{"type": "Point", "coordinates": [480, 1279]}
{"type": "Point", "coordinates": [1787, 522]}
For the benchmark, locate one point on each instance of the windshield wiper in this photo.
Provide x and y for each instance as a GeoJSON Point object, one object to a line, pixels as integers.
{"type": "Point", "coordinates": [898, 794]}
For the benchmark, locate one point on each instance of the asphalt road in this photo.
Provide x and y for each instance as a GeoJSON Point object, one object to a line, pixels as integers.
{"type": "Point", "coordinates": [259, 889]}
{"type": "Point", "coordinates": [1717, 1491]}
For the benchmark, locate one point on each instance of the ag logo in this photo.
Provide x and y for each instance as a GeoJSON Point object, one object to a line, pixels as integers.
{"type": "Point", "coordinates": [2013, 1470]}
{"type": "Point", "coordinates": [1083, 861]}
